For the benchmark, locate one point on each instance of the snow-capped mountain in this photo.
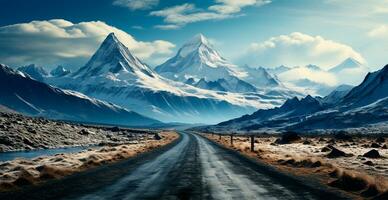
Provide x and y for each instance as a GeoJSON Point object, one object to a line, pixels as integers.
{"type": "Point", "coordinates": [260, 77]}
{"type": "Point", "coordinates": [292, 111]}
{"type": "Point", "coordinates": [60, 71]}
{"type": "Point", "coordinates": [113, 74]}
{"type": "Point", "coordinates": [197, 60]}
{"type": "Point", "coordinates": [113, 58]}
{"type": "Point", "coordinates": [35, 72]}
{"type": "Point", "coordinates": [309, 79]}
{"type": "Point", "coordinates": [232, 84]}
{"type": "Point", "coordinates": [373, 88]}
{"type": "Point", "coordinates": [315, 80]}
{"type": "Point", "coordinates": [21, 93]}
{"type": "Point", "coordinates": [197, 63]}
{"type": "Point", "coordinates": [277, 70]}
{"type": "Point", "coordinates": [349, 63]}
{"type": "Point", "coordinates": [208, 85]}
{"type": "Point", "coordinates": [350, 71]}
{"type": "Point", "coordinates": [365, 105]}
{"type": "Point", "coordinates": [337, 94]}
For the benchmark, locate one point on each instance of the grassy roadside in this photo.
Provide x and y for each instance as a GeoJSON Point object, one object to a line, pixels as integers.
{"type": "Point", "coordinates": [302, 159]}
{"type": "Point", "coordinates": [23, 172]}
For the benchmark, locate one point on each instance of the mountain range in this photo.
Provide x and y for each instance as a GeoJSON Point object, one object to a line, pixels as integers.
{"type": "Point", "coordinates": [115, 75]}
{"type": "Point", "coordinates": [24, 94]}
{"type": "Point", "coordinates": [197, 85]}
{"type": "Point", "coordinates": [314, 80]}
{"type": "Point", "coordinates": [197, 63]}
{"type": "Point", "coordinates": [363, 105]}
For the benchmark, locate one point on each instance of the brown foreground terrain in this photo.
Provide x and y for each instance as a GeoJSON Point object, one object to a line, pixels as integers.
{"type": "Point", "coordinates": [21, 172]}
{"type": "Point", "coordinates": [19, 132]}
{"type": "Point", "coordinates": [356, 165]}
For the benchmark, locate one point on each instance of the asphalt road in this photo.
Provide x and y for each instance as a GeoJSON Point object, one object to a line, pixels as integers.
{"type": "Point", "coordinates": [190, 168]}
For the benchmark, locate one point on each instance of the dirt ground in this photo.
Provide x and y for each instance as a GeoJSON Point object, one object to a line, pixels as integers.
{"type": "Point", "coordinates": [363, 176]}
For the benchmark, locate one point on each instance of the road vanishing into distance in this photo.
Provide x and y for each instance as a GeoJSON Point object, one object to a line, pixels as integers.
{"type": "Point", "coordinates": [190, 168]}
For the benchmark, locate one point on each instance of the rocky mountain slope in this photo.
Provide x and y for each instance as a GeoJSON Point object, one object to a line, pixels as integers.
{"type": "Point", "coordinates": [39, 133]}
{"type": "Point", "coordinates": [21, 93]}
{"type": "Point", "coordinates": [35, 72]}
{"type": "Point", "coordinates": [365, 105]}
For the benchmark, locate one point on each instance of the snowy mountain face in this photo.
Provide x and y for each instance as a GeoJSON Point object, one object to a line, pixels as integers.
{"type": "Point", "coordinates": [278, 70]}
{"type": "Point", "coordinates": [292, 111]}
{"type": "Point", "coordinates": [337, 94]}
{"type": "Point", "coordinates": [362, 106]}
{"type": "Point", "coordinates": [113, 74]}
{"type": "Point", "coordinates": [23, 94]}
{"type": "Point", "coordinates": [198, 64]}
{"type": "Point", "coordinates": [114, 58]}
{"type": "Point", "coordinates": [260, 77]}
{"type": "Point", "coordinates": [349, 63]}
{"type": "Point", "coordinates": [373, 88]}
{"type": "Point", "coordinates": [60, 71]}
{"type": "Point", "coordinates": [197, 59]}
{"type": "Point", "coordinates": [35, 72]}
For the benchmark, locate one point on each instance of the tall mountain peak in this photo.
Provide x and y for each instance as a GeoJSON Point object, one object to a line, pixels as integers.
{"type": "Point", "coordinates": [199, 39]}
{"type": "Point", "coordinates": [115, 58]}
{"type": "Point", "coordinates": [34, 71]}
{"type": "Point", "coordinates": [198, 44]}
{"type": "Point", "coordinates": [197, 59]}
{"type": "Point", "coordinates": [349, 63]}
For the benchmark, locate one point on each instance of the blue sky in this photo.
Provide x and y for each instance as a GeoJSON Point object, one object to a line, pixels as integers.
{"type": "Point", "coordinates": [257, 32]}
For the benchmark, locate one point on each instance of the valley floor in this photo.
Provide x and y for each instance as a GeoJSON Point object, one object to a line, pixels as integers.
{"type": "Point", "coordinates": [349, 168]}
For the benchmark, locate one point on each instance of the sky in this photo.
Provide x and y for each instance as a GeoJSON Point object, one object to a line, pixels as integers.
{"type": "Point", "coordinates": [265, 33]}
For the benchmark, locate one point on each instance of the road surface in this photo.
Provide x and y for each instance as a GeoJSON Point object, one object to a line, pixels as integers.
{"type": "Point", "coordinates": [191, 168]}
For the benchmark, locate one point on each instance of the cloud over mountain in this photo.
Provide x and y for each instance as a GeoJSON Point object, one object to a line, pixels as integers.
{"type": "Point", "coordinates": [180, 15]}
{"type": "Point", "coordinates": [297, 49]}
{"type": "Point", "coordinates": [58, 41]}
{"type": "Point", "coordinates": [136, 4]}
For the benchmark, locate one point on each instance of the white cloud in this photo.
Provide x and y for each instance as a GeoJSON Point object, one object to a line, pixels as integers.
{"type": "Point", "coordinates": [235, 6]}
{"type": "Point", "coordinates": [353, 76]}
{"type": "Point", "coordinates": [137, 4]}
{"type": "Point", "coordinates": [167, 27]}
{"type": "Point", "coordinates": [298, 49]}
{"type": "Point", "coordinates": [379, 32]}
{"type": "Point", "coordinates": [186, 13]}
{"type": "Point", "coordinates": [180, 15]}
{"type": "Point", "coordinates": [58, 41]}
{"type": "Point", "coordinates": [362, 7]}
{"type": "Point", "coordinates": [318, 76]}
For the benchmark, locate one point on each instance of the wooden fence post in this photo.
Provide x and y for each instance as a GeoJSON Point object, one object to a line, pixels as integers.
{"type": "Point", "coordinates": [252, 143]}
{"type": "Point", "coordinates": [220, 136]}
{"type": "Point", "coordinates": [231, 140]}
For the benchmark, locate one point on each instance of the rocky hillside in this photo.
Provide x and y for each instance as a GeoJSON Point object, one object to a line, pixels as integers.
{"type": "Point", "coordinates": [18, 132]}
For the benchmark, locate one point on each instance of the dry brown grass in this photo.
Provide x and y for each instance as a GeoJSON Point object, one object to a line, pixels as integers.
{"type": "Point", "coordinates": [361, 183]}
{"type": "Point", "coordinates": [20, 172]}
